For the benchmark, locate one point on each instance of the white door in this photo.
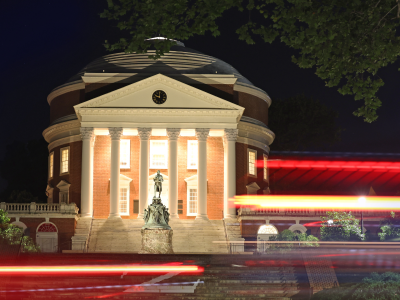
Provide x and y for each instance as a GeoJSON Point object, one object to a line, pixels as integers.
{"type": "Point", "coordinates": [47, 241]}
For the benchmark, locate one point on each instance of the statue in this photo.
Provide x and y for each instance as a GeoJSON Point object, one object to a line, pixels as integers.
{"type": "Point", "coordinates": [156, 215]}
{"type": "Point", "coordinates": [158, 180]}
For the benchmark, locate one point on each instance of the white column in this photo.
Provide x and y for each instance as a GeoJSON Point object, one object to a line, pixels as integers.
{"type": "Point", "coordinates": [87, 135]}
{"type": "Point", "coordinates": [230, 171]}
{"type": "Point", "coordinates": [202, 135]}
{"type": "Point", "coordinates": [144, 135]}
{"type": "Point", "coordinates": [91, 174]}
{"type": "Point", "coordinates": [115, 134]}
{"type": "Point", "coordinates": [173, 135]}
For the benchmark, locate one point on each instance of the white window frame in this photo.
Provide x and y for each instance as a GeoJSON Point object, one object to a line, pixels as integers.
{"type": "Point", "coordinates": [188, 213]}
{"type": "Point", "coordinates": [125, 145]}
{"type": "Point", "coordinates": [265, 167]}
{"type": "Point", "coordinates": [190, 145]}
{"type": "Point", "coordinates": [69, 160]}
{"type": "Point", "coordinates": [248, 162]}
{"type": "Point", "coordinates": [51, 164]}
{"type": "Point", "coordinates": [127, 200]}
{"type": "Point", "coordinates": [152, 165]}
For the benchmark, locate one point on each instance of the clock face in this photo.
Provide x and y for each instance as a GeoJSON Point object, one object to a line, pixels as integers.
{"type": "Point", "coordinates": [159, 97]}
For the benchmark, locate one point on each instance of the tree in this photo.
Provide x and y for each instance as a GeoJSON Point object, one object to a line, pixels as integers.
{"type": "Point", "coordinates": [340, 226]}
{"type": "Point", "coordinates": [347, 42]}
{"type": "Point", "coordinates": [288, 236]}
{"type": "Point", "coordinates": [24, 167]}
{"type": "Point", "coordinates": [13, 235]}
{"type": "Point", "coordinates": [294, 120]}
{"type": "Point", "coordinates": [384, 286]}
{"type": "Point", "coordinates": [390, 227]}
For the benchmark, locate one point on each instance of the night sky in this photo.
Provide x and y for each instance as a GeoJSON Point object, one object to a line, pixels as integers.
{"type": "Point", "coordinates": [44, 43]}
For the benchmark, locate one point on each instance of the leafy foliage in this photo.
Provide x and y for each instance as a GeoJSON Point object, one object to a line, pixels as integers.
{"type": "Point", "coordinates": [340, 226]}
{"type": "Point", "coordinates": [384, 286]}
{"type": "Point", "coordinates": [293, 122]}
{"type": "Point", "coordinates": [13, 235]}
{"type": "Point", "coordinates": [390, 227]}
{"type": "Point", "coordinates": [24, 167]}
{"type": "Point", "coordinates": [288, 236]}
{"type": "Point", "coordinates": [347, 42]}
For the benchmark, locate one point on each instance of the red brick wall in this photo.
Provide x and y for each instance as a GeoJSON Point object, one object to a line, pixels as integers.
{"type": "Point", "coordinates": [255, 107]}
{"type": "Point", "coordinates": [63, 105]}
{"type": "Point", "coordinates": [242, 178]}
{"type": "Point", "coordinates": [101, 187]}
{"type": "Point", "coordinates": [74, 176]}
{"type": "Point", "coordinates": [65, 227]}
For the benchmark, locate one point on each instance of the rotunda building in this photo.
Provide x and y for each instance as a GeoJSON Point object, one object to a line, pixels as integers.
{"type": "Point", "coordinates": [124, 117]}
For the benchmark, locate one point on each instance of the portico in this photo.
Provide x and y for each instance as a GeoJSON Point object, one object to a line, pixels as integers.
{"type": "Point", "coordinates": [130, 113]}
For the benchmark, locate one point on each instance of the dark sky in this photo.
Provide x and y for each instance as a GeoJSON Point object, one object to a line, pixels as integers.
{"type": "Point", "coordinates": [46, 42]}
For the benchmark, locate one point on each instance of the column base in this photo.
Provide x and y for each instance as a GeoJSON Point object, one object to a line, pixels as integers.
{"type": "Point", "coordinates": [140, 216]}
{"type": "Point", "coordinates": [114, 216]}
{"type": "Point", "coordinates": [174, 216]}
{"type": "Point", "coordinates": [88, 215]}
{"type": "Point", "coordinates": [202, 217]}
{"type": "Point", "coordinates": [228, 216]}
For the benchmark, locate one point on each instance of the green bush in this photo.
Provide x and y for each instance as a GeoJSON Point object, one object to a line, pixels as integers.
{"type": "Point", "coordinates": [288, 236]}
{"type": "Point", "coordinates": [343, 226]}
{"type": "Point", "coordinates": [390, 227]}
{"type": "Point", "coordinates": [13, 235]}
{"type": "Point", "coordinates": [384, 286]}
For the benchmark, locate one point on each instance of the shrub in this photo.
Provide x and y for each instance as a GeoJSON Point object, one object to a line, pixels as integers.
{"type": "Point", "coordinates": [343, 226]}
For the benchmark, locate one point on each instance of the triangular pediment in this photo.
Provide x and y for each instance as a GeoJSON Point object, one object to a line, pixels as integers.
{"type": "Point", "coordinates": [140, 95]}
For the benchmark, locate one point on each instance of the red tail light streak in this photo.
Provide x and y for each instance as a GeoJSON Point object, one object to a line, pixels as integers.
{"type": "Point", "coordinates": [99, 270]}
{"type": "Point", "coordinates": [376, 203]}
{"type": "Point", "coordinates": [334, 165]}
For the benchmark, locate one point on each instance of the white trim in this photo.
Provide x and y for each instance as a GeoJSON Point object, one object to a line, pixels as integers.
{"type": "Point", "coordinates": [253, 143]}
{"type": "Point", "coordinates": [63, 186]}
{"type": "Point", "coordinates": [62, 130]}
{"type": "Point", "coordinates": [195, 148]}
{"type": "Point", "coordinates": [256, 132]}
{"type": "Point", "coordinates": [165, 152]}
{"type": "Point", "coordinates": [252, 188]}
{"type": "Point", "coordinates": [127, 144]}
{"type": "Point", "coordinates": [252, 90]}
{"type": "Point", "coordinates": [267, 225]}
{"type": "Point", "coordinates": [69, 160]}
{"type": "Point", "coordinates": [45, 223]}
{"type": "Point", "coordinates": [127, 200]}
{"type": "Point", "coordinates": [51, 165]}
{"type": "Point", "coordinates": [186, 78]}
{"type": "Point", "coordinates": [248, 162]}
{"type": "Point", "coordinates": [70, 87]}
{"type": "Point", "coordinates": [19, 224]}
{"type": "Point", "coordinates": [298, 227]}
{"type": "Point", "coordinates": [63, 141]}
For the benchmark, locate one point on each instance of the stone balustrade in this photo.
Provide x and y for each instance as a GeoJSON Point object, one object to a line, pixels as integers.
{"type": "Point", "coordinates": [251, 211]}
{"type": "Point", "coordinates": [39, 208]}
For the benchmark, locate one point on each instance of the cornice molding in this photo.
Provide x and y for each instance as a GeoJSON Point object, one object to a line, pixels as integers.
{"type": "Point", "coordinates": [167, 111]}
{"type": "Point", "coordinates": [254, 143]}
{"type": "Point", "coordinates": [132, 77]}
{"type": "Point", "coordinates": [248, 89]}
{"type": "Point", "coordinates": [76, 85]}
{"type": "Point", "coordinates": [53, 130]}
{"type": "Point", "coordinates": [64, 141]}
{"type": "Point", "coordinates": [268, 134]}
{"type": "Point", "coordinates": [159, 78]}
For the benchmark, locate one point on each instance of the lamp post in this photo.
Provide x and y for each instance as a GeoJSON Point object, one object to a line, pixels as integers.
{"type": "Point", "coordinates": [362, 201]}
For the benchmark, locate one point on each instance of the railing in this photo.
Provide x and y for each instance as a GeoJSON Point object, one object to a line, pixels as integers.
{"type": "Point", "coordinates": [39, 208]}
{"type": "Point", "coordinates": [251, 211]}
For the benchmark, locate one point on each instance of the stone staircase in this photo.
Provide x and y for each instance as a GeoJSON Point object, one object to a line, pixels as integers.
{"type": "Point", "coordinates": [234, 236]}
{"type": "Point", "coordinates": [123, 235]}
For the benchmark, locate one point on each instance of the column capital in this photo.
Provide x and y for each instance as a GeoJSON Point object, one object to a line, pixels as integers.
{"type": "Point", "coordinates": [144, 133]}
{"type": "Point", "coordinates": [202, 133]}
{"type": "Point", "coordinates": [87, 133]}
{"type": "Point", "coordinates": [115, 132]}
{"type": "Point", "coordinates": [231, 134]}
{"type": "Point", "coordinates": [173, 133]}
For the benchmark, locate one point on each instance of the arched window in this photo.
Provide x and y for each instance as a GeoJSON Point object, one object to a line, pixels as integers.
{"type": "Point", "coordinates": [267, 229]}
{"type": "Point", "coordinates": [47, 237]}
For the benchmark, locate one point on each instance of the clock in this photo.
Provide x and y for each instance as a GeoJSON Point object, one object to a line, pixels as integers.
{"type": "Point", "coordinates": [159, 97]}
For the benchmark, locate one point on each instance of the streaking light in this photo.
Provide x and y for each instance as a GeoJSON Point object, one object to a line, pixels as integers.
{"type": "Point", "coordinates": [382, 203]}
{"type": "Point", "coordinates": [334, 165]}
{"type": "Point", "coordinates": [98, 269]}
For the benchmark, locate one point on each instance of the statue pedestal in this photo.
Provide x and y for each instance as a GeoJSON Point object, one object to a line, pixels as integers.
{"type": "Point", "coordinates": [156, 241]}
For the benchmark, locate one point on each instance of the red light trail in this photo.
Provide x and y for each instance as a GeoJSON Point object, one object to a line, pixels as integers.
{"type": "Point", "coordinates": [97, 269]}
{"type": "Point", "coordinates": [382, 203]}
{"type": "Point", "coordinates": [334, 165]}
